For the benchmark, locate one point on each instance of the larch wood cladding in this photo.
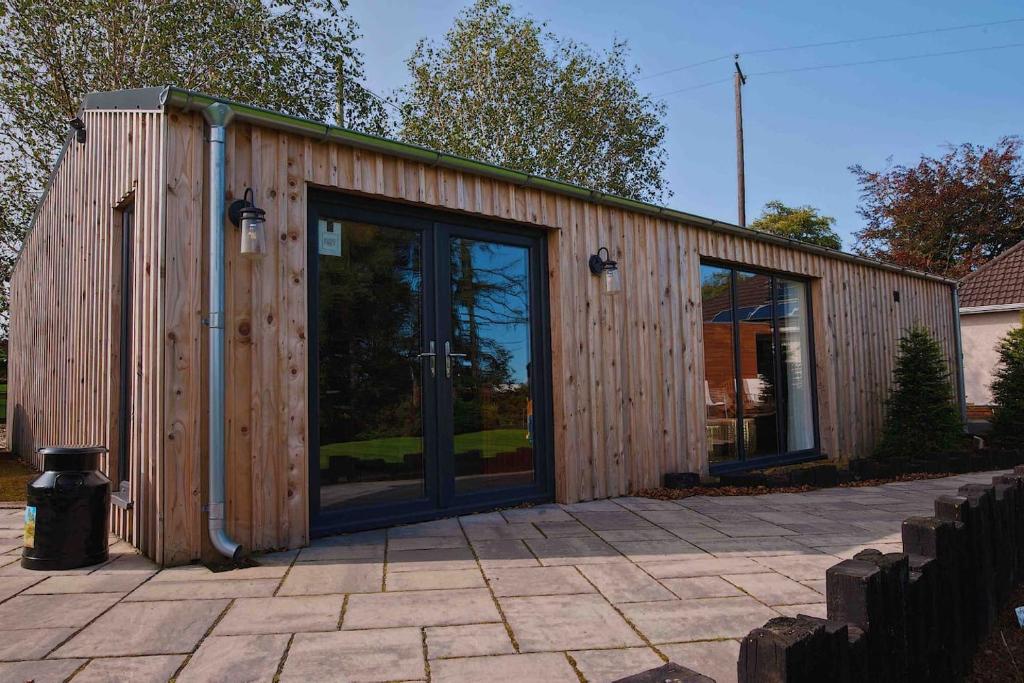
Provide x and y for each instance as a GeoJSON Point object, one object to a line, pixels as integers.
{"type": "Point", "coordinates": [628, 369]}
{"type": "Point", "coordinates": [628, 373]}
{"type": "Point", "coordinates": [65, 312]}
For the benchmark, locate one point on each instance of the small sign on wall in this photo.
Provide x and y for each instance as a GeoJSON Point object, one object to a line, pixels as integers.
{"type": "Point", "coordinates": [330, 237]}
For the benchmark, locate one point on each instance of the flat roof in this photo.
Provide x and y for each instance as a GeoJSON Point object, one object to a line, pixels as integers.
{"type": "Point", "coordinates": [160, 97]}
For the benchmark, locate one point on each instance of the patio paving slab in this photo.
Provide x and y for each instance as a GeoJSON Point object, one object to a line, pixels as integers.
{"type": "Point", "coordinates": [45, 671]}
{"type": "Point", "coordinates": [357, 554]}
{"type": "Point", "coordinates": [430, 559]}
{"type": "Point", "coordinates": [625, 583]}
{"type": "Point", "coordinates": [504, 554]}
{"type": "Point", "coordinates": [522, 581]}
{"type": "Point", "coordinates": [574, 550]}
{"type": "Point", "coordinates": [32, 643]}
{"type": "Point", "coordinates": [145, 628]}
{"type": "Point", "coordinates": [12, 585]}
{"type": "Point", "coordinates": [54, 611]}
{"type": "Point", "coordinates": [392, 654]}
{"type": "Point", "coordinates": [816, 609]}
{"type": "Point", "coordinates": [798, 567]}
{"type": "Point", "coordinates": [566, 622]}
{"type": "Point", "coordinates": [145, 669]}
{"type": "Point", "coordinates": [686, 620]}
{"type": "Point", "coordinates": [773, 589]}
{"type": "Point", "coordinates": [538, 513]}
{"type": "Point", "coordinates": [701, 566]}
{"type": "Point", "coordinates": [604, 521]}
{"type": "Point", "coordinates": [90, 583]}
{"type": "Point", "coordinates": [525, 668]}
{"type": "Point", "coordinates": [327, 579]}
{"type": "Point", "coordinates": [563, 529]}
{"type": "Point", "coordinates": [702, 587]}
{"type": "Point", "coordinates": [267, 569]}
{"type": "Point", "coordinates": [250, 616]}
{"type": "Point", "coordinates": [497, 532]}
{"type": "Point", "coordinates": [204, 590]}
{"type": "Point", "coordinates": [427, 542]}
{"type": "Point", "coordinates": [449, 578]}
{"type": "Point", "coordinates": [420, 608]}
{"type": "Point", "coordinates": [713, 658]}
{"type": "Point", "coordinates": [604, 666]}
{"type": "Point", "coordinates": [239, 659]}
{"type": "Point", "coordinates": [657, 551]}
{"type": "Point", "coordinates": [472, 640]}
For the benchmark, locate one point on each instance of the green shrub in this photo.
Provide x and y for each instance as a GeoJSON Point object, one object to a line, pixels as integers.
{"type": "Point", "coordinates": [1008, 391]}
{"type": "Point", "coordinates": [921, 420]}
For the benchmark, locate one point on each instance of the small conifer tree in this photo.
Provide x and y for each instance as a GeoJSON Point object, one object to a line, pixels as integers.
{"type": "Point", "coordinates": [921, 420]}
{"type": "Point", "coordinates": [1008, 390]}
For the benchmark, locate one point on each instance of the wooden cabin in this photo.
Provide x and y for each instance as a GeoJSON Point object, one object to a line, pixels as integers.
{"type": "Point", "coordinates": [413, 335]}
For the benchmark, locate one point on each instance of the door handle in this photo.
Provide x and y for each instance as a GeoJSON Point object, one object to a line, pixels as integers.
{"type": "Point", "coordinates": [448, 355]}
{"type": "Point", "coordinates": [432, 355]}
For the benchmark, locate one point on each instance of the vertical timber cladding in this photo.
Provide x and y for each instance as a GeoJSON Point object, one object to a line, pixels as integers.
{"type": "Point", "coordinates": [628, 369]}
{"type": "Point", "coordinates": [65, 318]}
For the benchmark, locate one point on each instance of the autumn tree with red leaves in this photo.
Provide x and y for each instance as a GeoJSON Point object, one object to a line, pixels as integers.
{"type": "Point", "coordinates": [946, 215]}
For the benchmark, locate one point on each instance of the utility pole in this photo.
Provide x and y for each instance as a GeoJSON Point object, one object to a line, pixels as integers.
{"type": "Point", "coordinates": [339, 114]}
{"type": "Point", "coordinates": [741, 184]}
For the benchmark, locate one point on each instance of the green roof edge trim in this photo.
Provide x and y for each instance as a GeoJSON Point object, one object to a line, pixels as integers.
{"type": "Point", "coordinates": [195, 101]}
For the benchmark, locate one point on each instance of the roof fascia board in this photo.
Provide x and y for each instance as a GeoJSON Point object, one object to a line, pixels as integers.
{"type": "Point", "coordinates": [994, 308]}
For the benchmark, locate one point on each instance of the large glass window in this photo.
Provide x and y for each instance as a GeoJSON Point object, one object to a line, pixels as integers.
{"type": "Point", "coordinates": [758, 388]}
{"type": "Point", "coordinates": [719, 363]}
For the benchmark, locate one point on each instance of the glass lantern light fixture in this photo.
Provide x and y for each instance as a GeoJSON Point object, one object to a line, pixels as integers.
{"type": "Point", "coordinates": [607, 269]}
{"type": "Point", "coordinates": [252, 220]}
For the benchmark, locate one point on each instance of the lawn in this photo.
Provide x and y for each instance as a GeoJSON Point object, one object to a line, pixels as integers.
{"type": "Point", "coordinates": [393, 449]}
{"type": "Point", "coordinates": [14, 477]}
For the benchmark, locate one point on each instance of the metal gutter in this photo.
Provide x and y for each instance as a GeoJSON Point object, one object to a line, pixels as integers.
{"type": "Point", "coordinates": [193, 101]}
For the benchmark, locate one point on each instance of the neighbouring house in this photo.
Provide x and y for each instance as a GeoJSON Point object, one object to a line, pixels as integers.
{"type": "Point", "coordinates": [991, 304]}
{"type": "Point", "coordinates": [397, 334]}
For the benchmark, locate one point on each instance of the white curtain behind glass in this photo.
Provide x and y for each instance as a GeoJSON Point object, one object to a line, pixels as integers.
{"type": "Point", "coordinates": [793, 334]}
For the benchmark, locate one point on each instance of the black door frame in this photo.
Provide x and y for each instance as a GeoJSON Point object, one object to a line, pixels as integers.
{"type": "Point", "coordinates": [125, 394]}
{"type": "Point", "coordinates": [440, 499]}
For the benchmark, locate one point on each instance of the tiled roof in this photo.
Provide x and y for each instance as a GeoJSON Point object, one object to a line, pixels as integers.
{"type": "Point", "coordinates": [1000, 281]}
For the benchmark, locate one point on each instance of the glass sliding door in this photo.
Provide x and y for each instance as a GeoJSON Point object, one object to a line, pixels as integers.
{"type": "Point", "coordinates": [429, 379]}
{"type": "Point", "coordinates": [758, 366]}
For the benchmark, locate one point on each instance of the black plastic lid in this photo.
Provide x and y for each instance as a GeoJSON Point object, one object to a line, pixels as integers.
{"type": "Point", "coordinates": [71, 458]}
{"type": "Point", "coordinates": [71, 450]}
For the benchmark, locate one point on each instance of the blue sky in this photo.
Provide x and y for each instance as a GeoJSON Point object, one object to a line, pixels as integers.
{"type": "Point", "coordinates": [802, 129]}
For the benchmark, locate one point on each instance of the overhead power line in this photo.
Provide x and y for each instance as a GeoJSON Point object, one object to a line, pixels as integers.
{"type": "Point", "coordinates": [830, 43]}
{"type": "Point", "coordinates": [888, 59]}
{"type": "Point", "coordinates": [818, 67]}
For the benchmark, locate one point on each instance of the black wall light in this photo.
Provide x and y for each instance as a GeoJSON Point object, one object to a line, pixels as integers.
{"type": "Point", "coordinates": [609, 269]}
{"type": "Point", "coordinates": [78, 125]}
{"type": "Point", "coordinates": [252, 220]}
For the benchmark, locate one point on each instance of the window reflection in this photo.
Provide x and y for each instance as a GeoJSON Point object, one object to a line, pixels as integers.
{"type": "Point", "coordinates": [758, 389]}
{"type": "Point", "coordinates": [719, 363]}
{"type": "Point", "coordinates": [757, 363]}
{"type": "Point", "coordinates": [492, 406]}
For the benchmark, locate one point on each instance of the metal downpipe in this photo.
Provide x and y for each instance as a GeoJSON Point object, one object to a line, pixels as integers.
{"type": "Point", "coordinates": [218, 116]}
